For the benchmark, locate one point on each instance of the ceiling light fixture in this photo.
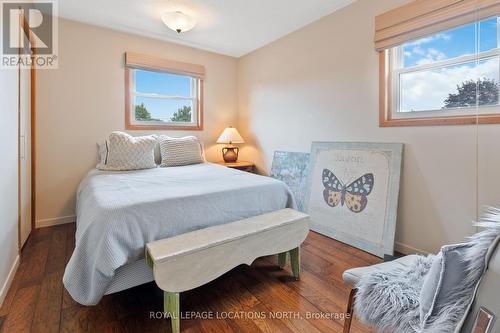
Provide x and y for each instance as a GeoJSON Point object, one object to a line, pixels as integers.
{"type": "Point", "coordinates": [178, 21]}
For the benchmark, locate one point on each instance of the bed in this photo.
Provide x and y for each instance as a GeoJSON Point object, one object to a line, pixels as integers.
{"type": "Point", "coordinates": [119, 212]}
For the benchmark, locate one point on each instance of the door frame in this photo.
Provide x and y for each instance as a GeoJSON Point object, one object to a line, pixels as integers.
{"type": "Point", "coordinates": [27, 32]}
{"type": "Point", "coordinates": [33, 131]}
{"type": "Point", "coordinates": [19, 194]}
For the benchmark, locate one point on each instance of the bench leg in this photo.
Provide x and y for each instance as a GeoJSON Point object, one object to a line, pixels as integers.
{"type": "Point", "coordinates": [349, 311]}
{"type": "Point", "coordinates": [282, 259]}
{"type": "Point", "coordinates": [295, 261]}
{"type": "Point", "coordinates": [171, 307]}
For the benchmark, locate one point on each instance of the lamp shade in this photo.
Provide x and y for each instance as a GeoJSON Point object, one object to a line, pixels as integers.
{"type": "Point", "coordinates": [230, 135]}
{"type": "Point", "coordinates": [178, 21]}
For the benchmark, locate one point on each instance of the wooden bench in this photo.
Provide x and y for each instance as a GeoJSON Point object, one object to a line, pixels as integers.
{"type": "Point", "coordinates": [193, 259]}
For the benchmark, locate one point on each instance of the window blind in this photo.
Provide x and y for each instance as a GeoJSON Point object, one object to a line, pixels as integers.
{"type": "Point", "coordinates": [423, 17]}
{"type": "Point", "coordinates": [142, 61]}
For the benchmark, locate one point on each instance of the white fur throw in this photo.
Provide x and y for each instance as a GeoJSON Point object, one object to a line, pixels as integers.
{"type": "Point", "coordinates": [389, 301]}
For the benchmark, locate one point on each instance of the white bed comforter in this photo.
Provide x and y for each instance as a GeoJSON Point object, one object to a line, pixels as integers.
{"type": "Point", "coordinates": [119, 212]}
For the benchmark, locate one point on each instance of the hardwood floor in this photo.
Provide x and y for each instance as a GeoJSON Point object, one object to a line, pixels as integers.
{"type": "Point", "coordinates": [244, 299]}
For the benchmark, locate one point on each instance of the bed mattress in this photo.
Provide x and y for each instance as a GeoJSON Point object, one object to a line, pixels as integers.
{"type": "Point", "coordinates": [119, 212]}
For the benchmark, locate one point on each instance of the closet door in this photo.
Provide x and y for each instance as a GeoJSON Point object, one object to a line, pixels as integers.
{"type": "Point", "coordinates": [9, 218]}
{"type": "Point", "coordinates": [25, 154]}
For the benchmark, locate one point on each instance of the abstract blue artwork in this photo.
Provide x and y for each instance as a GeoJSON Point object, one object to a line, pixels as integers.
{"type": "Point", "coordinates": [293, 169]}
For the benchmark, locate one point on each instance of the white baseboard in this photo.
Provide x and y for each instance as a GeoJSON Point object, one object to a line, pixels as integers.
{"type": "Point", "coordinates": [55, 221]}
{"type": "Point", "coordinates": [407, 249]}
{"type": "Point", "coordinates": [8, 282]}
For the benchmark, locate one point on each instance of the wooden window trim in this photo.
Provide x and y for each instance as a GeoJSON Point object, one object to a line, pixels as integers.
{"type": "Point", "coordinates": [415, 20]}
{"type": "Point", "coordinates": [385, 112]}
{"type": "Point", "coordinates": [130, 126]}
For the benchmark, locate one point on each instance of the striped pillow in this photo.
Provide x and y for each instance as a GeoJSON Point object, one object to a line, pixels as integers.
{"type": "Point", "coordinates": [180, 151]}
{"type": "Point", "coordinates": [125, 152]}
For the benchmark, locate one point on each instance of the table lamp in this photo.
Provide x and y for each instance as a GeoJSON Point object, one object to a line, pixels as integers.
{"type": "Point", "coordinates": [230, 136]}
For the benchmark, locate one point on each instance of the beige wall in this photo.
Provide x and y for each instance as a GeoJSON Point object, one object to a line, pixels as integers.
{"type": "Point", "coordinates": [83, 101]}
{"type": "Point", "coordinates": [320, 83]}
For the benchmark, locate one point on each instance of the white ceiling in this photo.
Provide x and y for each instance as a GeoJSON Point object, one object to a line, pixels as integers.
{"type": "Point", "coordinates": [231, 27]}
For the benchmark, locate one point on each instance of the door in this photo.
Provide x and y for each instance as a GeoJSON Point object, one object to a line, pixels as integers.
{"type": "Point", "coordinates": [25, 153]}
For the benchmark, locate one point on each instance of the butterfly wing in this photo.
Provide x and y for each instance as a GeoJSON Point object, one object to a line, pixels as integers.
{"type": "Point", "coordinates": [357, 192]}
{"type": "Point", "coordinates": [333, 188]}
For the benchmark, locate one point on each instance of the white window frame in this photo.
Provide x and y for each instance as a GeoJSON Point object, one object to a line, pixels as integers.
{"type": "Point", "coordinates": [196, 99]}
{"type": "Point", "coordinates": [395, 70]}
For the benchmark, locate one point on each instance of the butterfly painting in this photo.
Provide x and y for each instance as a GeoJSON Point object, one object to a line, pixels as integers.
{"type": "Point", "coordinates": [353, 195]}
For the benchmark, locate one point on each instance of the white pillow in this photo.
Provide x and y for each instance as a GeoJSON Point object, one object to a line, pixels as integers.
{"type": "Point", "coordinates": [180, 151]}
{"type": "Point", "coordinates": [157, 152]}
{"type": "Point", "coordinates": [102, 152]}
{"type": "Point", "coordinates": [125, 152]}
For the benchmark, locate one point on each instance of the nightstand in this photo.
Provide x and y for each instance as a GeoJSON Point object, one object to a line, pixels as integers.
{"type": "Point", "coordinates": [240, 165]}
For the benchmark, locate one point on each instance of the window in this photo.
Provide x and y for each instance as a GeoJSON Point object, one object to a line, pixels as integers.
{"type": "Point", "coordinates": [162, 97]}
{"type": "Point", "coordinates": [448, 73]}
{"type": "Point", "coordinates": [451, 75]}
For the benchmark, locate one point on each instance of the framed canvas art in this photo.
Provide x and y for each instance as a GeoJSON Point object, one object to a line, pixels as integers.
{"type": "Point", "coordinates": [292, 168]}
{"type": "Point", "coordinates": [353, 193]}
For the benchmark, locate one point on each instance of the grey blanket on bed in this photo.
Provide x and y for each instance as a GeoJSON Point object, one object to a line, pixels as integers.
{"type": "Point", "coordinates": [119, 212]}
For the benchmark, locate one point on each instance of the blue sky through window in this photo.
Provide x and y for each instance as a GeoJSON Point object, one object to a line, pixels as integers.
{"type": "Point", "coordinates": [162, 83]}
{"type": "Point", "coordinates": [427, 89]}
{"type": "Point", "coordinates": [451, 44]}
{"type": "Point", "coordinates": [165, 84]}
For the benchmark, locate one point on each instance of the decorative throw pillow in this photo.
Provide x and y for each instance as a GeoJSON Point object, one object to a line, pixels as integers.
{"type": "Point", "coordinates": [446, 273]}
{"type": "Point", "coordinates": [102, 151]}
{"type": "Point", "coordinates": [157, 152]}
{"type": "Point", "coordinates": [125, 152]}
{"type": "Point", "coordinates": [180, 151]}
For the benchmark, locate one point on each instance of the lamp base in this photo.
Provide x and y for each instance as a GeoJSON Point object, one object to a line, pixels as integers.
{"type": "Point", "coordinates": [230, 154]}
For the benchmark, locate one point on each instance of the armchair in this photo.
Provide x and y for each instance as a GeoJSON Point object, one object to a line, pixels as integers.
{"type": "Point", "coordinates": [486, 293]}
